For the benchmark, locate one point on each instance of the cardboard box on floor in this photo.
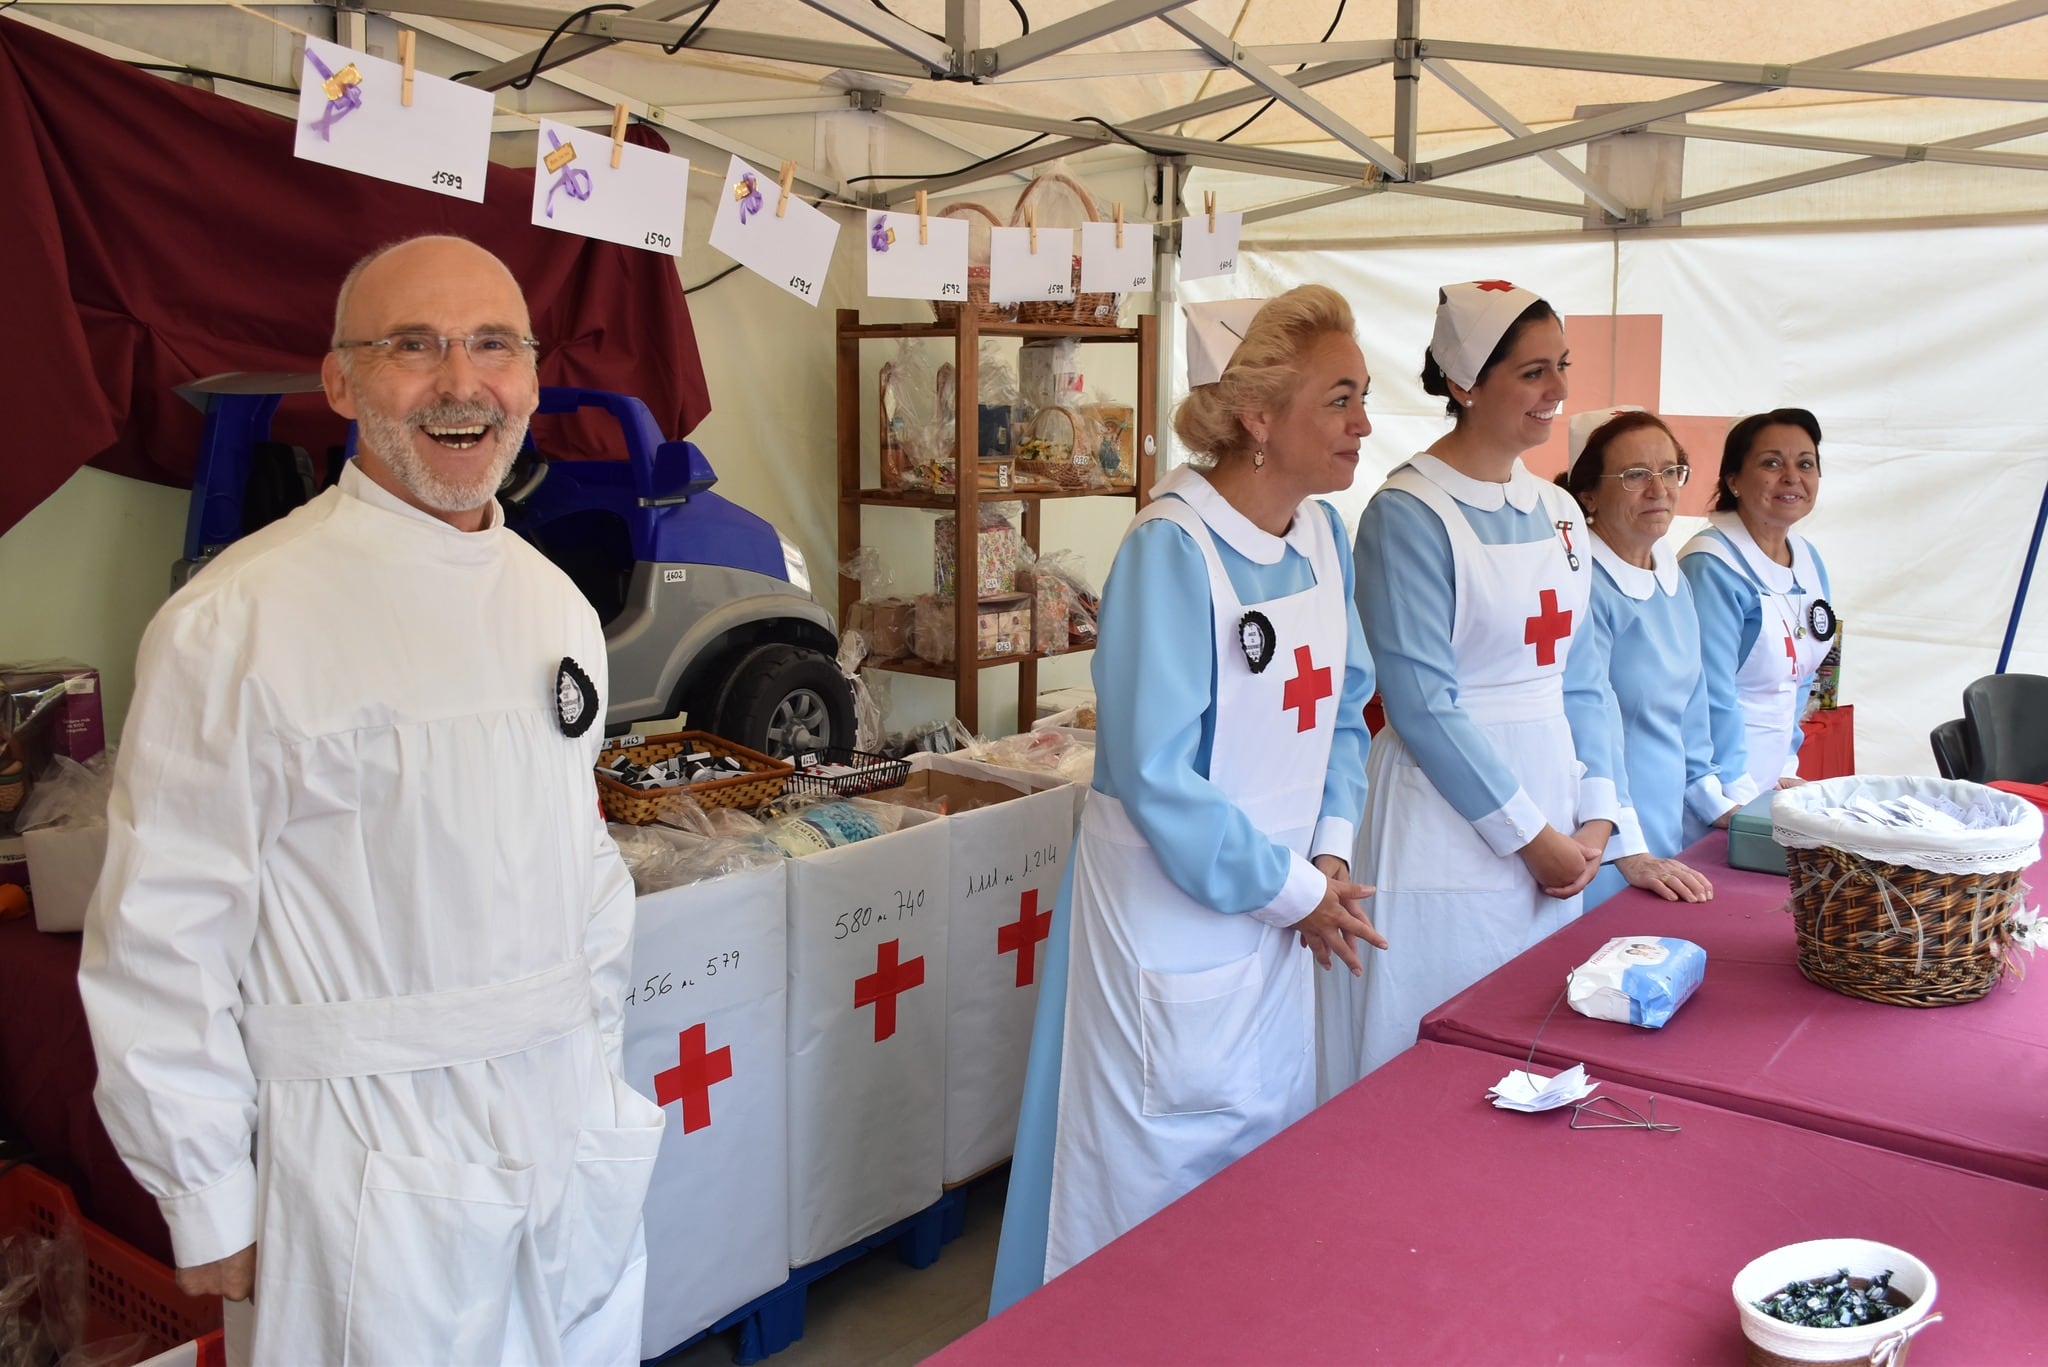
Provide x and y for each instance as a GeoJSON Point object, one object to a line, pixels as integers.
{"type": "Point", "coordinates": [1009, 843]}
{"type": "Point", "coordinates": [63, 868]}
{"type": "Point", "coordinates": [867, 1035]}
{"type": "Point", "coordinates": [705, 1021]}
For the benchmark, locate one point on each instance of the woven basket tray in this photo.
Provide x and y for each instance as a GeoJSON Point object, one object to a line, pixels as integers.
{"type": "Point", "coordinates": [1894, 934]}
{"type": "Point", "coordinates": [763, 782]}
{"type": "Point", "coordinates": [1085, 310]}
{"type": "Point", "coordinates": [977, 275]}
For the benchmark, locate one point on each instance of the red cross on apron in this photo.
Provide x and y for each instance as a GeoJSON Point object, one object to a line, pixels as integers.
{"type": "Point", "coordinates": [1791, 652]}
{"type": "Point", "coordinates": [890, 980]}
{"type": "Point", "coordinates": [1308, 687]}
{"type": "Point", "coordinates": [691, 1079]}
{"type": "Point", "coordinates": [1547, 628]}
{"type": "Point", "coordinates": [1022, 935]}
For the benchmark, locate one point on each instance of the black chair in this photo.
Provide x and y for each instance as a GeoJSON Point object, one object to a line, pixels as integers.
{"type": "Point", "coordinates": [1951, 741]}
{"type": "Point", "coordinates": [2007, 719]}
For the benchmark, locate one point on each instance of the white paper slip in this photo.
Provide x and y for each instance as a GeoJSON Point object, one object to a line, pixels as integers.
{"type": "Point", "coordinates": [351, 115]}
{"type": "Point", "coordinates": [1205, 253]}
{"type": "Point", "coordinates": [1521, 1091]}
{"type": "Point", "coordinates": [638, 203]}
{"type": "Point", "coordinates": [792, 249]}
{"type": "Point", "coordinates": [1109, 269]}
{"type": "Point", "coordinates": [1016, 272]}
{"type": "Point", "coordinates": [901, 267]}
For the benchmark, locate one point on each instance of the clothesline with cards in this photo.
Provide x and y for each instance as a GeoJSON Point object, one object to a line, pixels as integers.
{"type": "Point", "coordinates": [393, 122]}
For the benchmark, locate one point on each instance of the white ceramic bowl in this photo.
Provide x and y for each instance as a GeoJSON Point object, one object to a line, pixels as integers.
{"type": "Point", "coordinates": [1821, 1258]}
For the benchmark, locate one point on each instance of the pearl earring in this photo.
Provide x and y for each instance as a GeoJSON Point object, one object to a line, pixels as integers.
{"type": "Point", "coordinates": [1259, 459]}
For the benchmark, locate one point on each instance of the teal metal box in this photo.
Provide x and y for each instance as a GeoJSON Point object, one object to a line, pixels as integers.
{"type": "Point", "coordinates": [1749, 838]}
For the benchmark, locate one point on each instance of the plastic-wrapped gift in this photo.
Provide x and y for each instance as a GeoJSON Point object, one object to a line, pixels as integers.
{"type": "Point", "coordinates": [1003, 626]}
{"type": "Point", "coordinates": [996, 550]}
{"type": "Point", "coordinates": [1050, 605]}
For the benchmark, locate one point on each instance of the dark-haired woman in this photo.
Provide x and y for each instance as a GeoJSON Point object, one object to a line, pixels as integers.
{"type": "Point", "coordinates": [1634, 690]}
{"type": "Point", "coordinates": [1761, 592]}
{"type": "Point", "coordinates": [1472, 574]}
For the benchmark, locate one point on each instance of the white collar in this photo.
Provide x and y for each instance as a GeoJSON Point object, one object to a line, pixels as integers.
{"type": "Point", "coordinates": [1237, 531]}
{"type": "Point", "coordinates": [358, 485]}
{"type": "Point", "coordinates": [1523, 491]}
{"type": "Point", "coordinates": [1634, 580]}
{"type": "Point", "coordinates": [1775, 577]}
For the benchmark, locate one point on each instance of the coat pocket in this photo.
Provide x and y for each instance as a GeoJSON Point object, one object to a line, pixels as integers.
{"type": "Point", "coordinates": [1196, 1031]}
{"type": "Point", "coordinates": [601, 1207]}
{"type": "Point", "coordinates": [436, 1255]}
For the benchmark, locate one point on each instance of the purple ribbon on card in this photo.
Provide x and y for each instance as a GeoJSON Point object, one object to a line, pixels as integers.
{"type": "Point", "coordinates": [748, 193]}
{"type": "Point", "coordinates": [344, 93]}
{"type": "Point", "coordinates": [573, 180]}
{"type": "Point", "coordinates": [882, 234]}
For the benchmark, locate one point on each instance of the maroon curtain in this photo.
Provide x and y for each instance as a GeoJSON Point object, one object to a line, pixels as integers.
{"type": "Point", "coordinates": [153, 234]}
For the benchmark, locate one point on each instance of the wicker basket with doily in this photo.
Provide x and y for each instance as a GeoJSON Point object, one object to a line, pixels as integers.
{"type": "Point", "coordinates": [1085, 310]}
{"type": "Point", "coordinates": [977, 270]}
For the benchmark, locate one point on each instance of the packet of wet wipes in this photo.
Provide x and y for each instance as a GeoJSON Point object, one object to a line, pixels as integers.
{"type": "Point", "coordinates": [1639, 979]}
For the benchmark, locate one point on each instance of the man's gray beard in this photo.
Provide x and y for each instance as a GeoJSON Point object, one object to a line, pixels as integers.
{"type": "Point", "coordinates": [391, 439]}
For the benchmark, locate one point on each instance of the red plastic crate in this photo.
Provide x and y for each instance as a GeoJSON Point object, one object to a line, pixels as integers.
{"type": "Point", "coordinates": [127, 1291]}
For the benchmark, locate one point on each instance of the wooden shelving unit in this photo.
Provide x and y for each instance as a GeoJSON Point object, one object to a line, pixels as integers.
{"type": "Point", "coordinates": [965, 501]}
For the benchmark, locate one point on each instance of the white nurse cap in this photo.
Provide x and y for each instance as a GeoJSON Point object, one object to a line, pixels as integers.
{"type": "Point", "coordinates": [1214, 331]}
{"type": "Point", "coordinates": [1471, 318]}
{"type": "Point", "coordinates": [1584, 425]}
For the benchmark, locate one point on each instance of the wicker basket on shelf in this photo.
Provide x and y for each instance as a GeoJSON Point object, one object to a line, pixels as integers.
{"type": "Point", "coordinates": [1914, 918]}
{"type": "Point", "coordinates": [763, 782]}
{"type": "Point", "coordinates": [1085, 310]}
{"type": "Point", "coordinates": [977, 272]}
{"type": "Point", "coordinates": [1060, 448]}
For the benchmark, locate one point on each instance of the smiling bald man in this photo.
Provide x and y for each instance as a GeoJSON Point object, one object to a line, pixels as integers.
{"type": "Point", "coordinates": [355, 964]}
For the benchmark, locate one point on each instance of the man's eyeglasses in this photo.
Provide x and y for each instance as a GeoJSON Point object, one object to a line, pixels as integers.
{"type": "Point", "coordinates": [1636, 478]}
{"type": "Point", "coordinates": [427, 350]}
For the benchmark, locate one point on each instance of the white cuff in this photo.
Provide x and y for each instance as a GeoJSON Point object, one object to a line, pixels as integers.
{"type": "Point", "coordinates": [1627, 838]}
{"type": "Point", "coordinates": [1298, 895]}
{"type": "Point", "coordinates": [1334, 835]}
{"type": "Point", "coordinates": [1517, 822]}
{"type": "Point", "coordinates": [1598, 801]}
{"type": "Point", "coordinates": [213, 1222]}
{"type": "Point", "coordinates": [1709, 801]}
{"type": "Point", "coordinates": [1791, 769]}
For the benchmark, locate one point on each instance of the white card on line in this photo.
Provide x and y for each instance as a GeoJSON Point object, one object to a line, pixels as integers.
{"type": "Point", "coordinates": [638, 203]}
{"type": "Point", "coordinates": [791, 250]}
{"type": "Point", "coordinates": [352, 115]}
{"type": "Point", "coordinates": [1109, 269]}
{"type": "Point", "coordinates": [901, 267]}
{"type": "Point", "coordinates": [1204, 253]}
{"type": "Point", "coordinates": [1016, 272]}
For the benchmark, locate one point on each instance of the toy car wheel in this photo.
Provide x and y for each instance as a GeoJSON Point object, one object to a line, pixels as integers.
{"type": "Point", "coordinates": [784, 699]}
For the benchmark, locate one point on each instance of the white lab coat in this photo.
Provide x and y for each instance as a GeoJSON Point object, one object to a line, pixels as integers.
{"type": "Point", "coordinates": [355, 963]}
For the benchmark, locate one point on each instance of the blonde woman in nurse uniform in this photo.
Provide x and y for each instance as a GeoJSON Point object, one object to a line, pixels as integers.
{"type": "Point", "coordinates": [1472, 575]}
{"type": "Point", "coordinates": [1175, 1028]}
{"type": "Point", "coordinates": [1762, 596]}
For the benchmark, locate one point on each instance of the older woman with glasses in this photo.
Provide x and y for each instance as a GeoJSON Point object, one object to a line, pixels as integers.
{"type": "Point", "coordinates": [1634, 688]}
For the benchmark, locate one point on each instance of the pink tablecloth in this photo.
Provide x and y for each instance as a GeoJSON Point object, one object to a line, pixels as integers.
{"type": "Point", "coordinates": [1409, 1222]}
{"type": "Point", "coordinates": [1966, 1085]}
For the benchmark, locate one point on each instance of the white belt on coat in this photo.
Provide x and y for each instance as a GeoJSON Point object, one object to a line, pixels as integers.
{"type": "Point", "coordinates": [376, 1035]}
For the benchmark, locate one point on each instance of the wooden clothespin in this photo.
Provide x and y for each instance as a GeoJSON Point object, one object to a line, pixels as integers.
{"type": "Point", "coordinates": [1031, 222]}
{"type": "Point", "coordinates": [924, 223]}
{"type": "Point", "coordinates": [618, 134]}
{"type": "Point", "coordinates": [405, 44]}
{"type": "Point", "coordinates": [788, 175]}
{"type": "Point", "coordinates": [1209, 207]}
{"type": "Point", "coordinates": [1119, 224]}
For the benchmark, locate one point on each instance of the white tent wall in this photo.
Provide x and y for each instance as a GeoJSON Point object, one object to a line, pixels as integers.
{"type": "Point", "coordinates": [1910, 346]}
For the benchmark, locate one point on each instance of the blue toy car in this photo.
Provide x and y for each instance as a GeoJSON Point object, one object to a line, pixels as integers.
{"type": "Point", "coordinates": [707, 609]}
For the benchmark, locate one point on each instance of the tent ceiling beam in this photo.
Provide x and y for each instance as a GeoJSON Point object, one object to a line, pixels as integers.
{"type": "Point", "coordinates": [1288, 93]}
{"type": "Point", "coordinates": [1166, 61]}
{"type": "Point", "coordinates": [1889, 151]}
{"type": "Point", "coordinates": [1003, 165]}
{"type": "Point", "coordinates": [963, 25]}
{"type": "Point", "coordinates": [1094, 22]}
{"type": "Point", "coordinates": [891, 32]}
{"type": "Point", "coordinates": [579, 43]}
{"type": "Point", "coordinates": [1302, 204]}
{"type": "Point", "coordinates": [1237, 99]}
{"type": "Point", "coordinates": [1469, 91]}
{"type": "Point", "coordinates": [1407, 79]}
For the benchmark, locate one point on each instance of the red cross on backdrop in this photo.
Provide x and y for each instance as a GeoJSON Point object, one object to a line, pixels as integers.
{"type": "Point", "coordinates": [1022, 935]}
{"type": "Point", "coordinates": [889, 981]}
{"type": "Point", "coordinates": [1547, 628]}
{"type": "Point", "coordinates": [690, 1081]}
{"type": "Point", "coordinates": [1308, 687]}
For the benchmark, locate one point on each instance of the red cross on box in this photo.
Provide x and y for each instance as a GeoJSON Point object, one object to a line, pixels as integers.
{"type": "Point", "coordinates": [690, 1081]}
{"type": "Point", "coordinates": [889, 981]}
{"type": "Point", "coordinates": [1022, 935]}
{"type": "Point", "coordinates": [1308, 687]}
{"type": "Point", "coordinates": [1547, 628]}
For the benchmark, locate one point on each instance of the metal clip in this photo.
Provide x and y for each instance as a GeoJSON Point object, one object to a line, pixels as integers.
{"type": "Point", "coordinates": [1622, 1117]}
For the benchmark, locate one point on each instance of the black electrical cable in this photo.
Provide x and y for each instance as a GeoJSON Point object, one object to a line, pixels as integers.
{"type": "Point", "coordinates": [202, 71]}
{"type": "Point", "coordinates": [707, 284]}
{"type": "Point", "coordinates": [970, 166]}
{"type": "Point", "coordinates": [1303, 67]}
{"type": "Point", "coordinates": [1017, 5]}
{"type": "Point", "coordinates": [1122, 136]}
{"type": "Point", "coordinates": [671, 49]}
{"type": "Point", "coordinates": [533, 72]}
{"type": "Point", "coordinates": [1022, 17]}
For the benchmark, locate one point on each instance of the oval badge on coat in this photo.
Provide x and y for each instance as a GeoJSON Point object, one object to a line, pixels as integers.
{"type": "Point", "coordinates": [575, 699]}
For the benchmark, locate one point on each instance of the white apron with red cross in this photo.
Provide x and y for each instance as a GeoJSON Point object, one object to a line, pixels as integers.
{"type": "Point", "coordinates": [1190, 1033]}
{"type": "Point", "coordinates": [1452, 910]}
{"type": "Point", "coordinates": [867, 1035]}
{"type": "Point", "coordinates": [1785, 654]}
{"type": "Point", "coordinates": [704, 1020]}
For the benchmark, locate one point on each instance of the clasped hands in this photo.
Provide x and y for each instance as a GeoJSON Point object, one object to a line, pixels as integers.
{"type": "Point", "coordinates": [1338, 922]}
